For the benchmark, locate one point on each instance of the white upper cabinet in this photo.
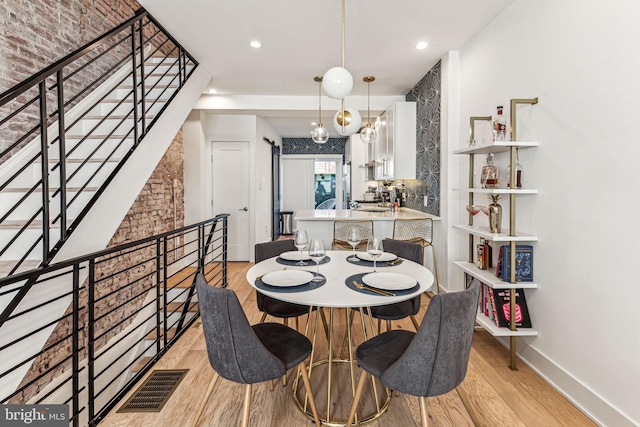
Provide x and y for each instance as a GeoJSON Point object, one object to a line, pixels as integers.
{"type": "Point", "coordinates": [395, 145]}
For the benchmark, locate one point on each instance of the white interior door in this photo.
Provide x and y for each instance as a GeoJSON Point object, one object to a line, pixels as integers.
{"type": "Point", "coordinates": [230, 190]}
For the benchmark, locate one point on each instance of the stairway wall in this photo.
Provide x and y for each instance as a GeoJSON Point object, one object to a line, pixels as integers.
{"type": "Point", "coordinates": [37, 33]}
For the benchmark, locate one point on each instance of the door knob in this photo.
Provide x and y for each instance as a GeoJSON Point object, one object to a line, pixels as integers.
{"type": "Point", "coordinates": [244, 209]}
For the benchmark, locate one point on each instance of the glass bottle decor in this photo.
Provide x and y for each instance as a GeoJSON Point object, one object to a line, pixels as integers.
{"type": "Point", "coordinates": [489, 177]}
{"type": "Point", "coordinates": [495, 214]}
{"type": "Point", "coordinates": [518, 173]}
{"type": "Point", "coordinates": [499, 126]}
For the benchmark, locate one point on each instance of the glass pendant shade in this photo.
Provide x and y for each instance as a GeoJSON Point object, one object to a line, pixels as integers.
{"type": "Point", "coordinates": [337, 83]}
{"type": "Point", "coordinates": [320, 135]}
{"type": "Point", "coordinates": [351, 121]}
{"type": "Point", "coordinates": [368, 134]}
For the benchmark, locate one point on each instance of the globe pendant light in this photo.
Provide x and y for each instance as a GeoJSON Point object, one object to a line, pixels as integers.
{"type": "Point", "coordinates": [368, 134]}
{"type": "Point", "coordinates": [337, 81]}
{"type": "Point", "coordinates": [347, 121]}
{"type": "Point", "coordinates": [319, 135]}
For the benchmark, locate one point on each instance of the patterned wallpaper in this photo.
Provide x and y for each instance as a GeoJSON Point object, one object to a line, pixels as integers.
{"type": "Point", "coordinates": [307, 146]}
{"type": "Point", "coordinates": [427, 95]}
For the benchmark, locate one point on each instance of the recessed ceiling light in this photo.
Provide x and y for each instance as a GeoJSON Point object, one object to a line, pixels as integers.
{"type": "Point", "coordinates": [314, 124]}
{"type": "Point", "coordinates": [212, 91]}
{"type": "Point", "coordinates": [255, 44]}
{"type": "Point", "coordinates": [422, 45]}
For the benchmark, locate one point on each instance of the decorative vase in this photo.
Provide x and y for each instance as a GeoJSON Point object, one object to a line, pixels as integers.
{"type": "Point", "coordinates": [495, 214]}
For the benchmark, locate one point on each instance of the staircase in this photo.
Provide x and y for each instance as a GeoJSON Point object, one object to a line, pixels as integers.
{"type": "Point", "coordinates": [95, 147]}
{"type": "Point", "coordinates": [75, 151]}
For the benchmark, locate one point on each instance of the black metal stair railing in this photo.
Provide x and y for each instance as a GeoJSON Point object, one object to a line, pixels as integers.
{"type": "Point", "coordinates": [66, 131]}
{"type": "Point", "coordinates": [126, 306]}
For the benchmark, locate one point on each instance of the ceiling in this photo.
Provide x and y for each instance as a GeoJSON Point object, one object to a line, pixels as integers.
{"type": "Point", "coordinates": [302, 39]}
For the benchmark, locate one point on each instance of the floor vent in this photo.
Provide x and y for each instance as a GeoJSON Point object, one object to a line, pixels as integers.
{"type": "Point", "coordinates": [154, 392]}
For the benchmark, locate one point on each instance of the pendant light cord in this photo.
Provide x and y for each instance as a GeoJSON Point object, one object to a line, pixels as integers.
{"type": "Point", "coordinates": [343, 115]}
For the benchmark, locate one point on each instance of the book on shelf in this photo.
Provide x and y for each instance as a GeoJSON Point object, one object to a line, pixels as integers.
{"type": "Point", "coordinates": [501, 299]}
{"type": "Point", "coordinates": [524, 263]}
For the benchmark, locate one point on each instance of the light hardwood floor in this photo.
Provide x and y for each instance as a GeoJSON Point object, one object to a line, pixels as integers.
{"type": "Point", "coordinates": [493, 395]}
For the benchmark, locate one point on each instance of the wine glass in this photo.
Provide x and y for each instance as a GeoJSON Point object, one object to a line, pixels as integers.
{"type": "Point", "coordinates": [301, 241]}
{"type": "Point", "coordinates": [316, 252]}
{"type": "Point", "coordinates": [353, 239]}
{"type": "Point", "coordinates": [473, 209]}
{"type": "Point", "coordinates": [374, 249]}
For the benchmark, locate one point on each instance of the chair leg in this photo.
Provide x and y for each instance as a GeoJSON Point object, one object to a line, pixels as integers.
{"type": "Point", "coordinates": [264, 316]}
{"type": "Point", "coordinates": [435, 268]}
{"type": "Point", "coordinates": [423, 411]}
{"type": "Point", "coordinates": [388, 325]}
{"type": "Point", "coordinates": [307, 386]}
{"type": "Point", "coordinates": [415, 322]}
{"type": "Point", "coordinates": [356, 398]}
{"type": "Point", "coordinates": [203, 404]}
{"type": "Point", "coordinates": [246, 408]}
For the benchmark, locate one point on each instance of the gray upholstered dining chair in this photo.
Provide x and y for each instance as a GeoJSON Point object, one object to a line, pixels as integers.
{"type": "Point", "coordinates": [271, 306]}
{"type": "Point", "coordinates": [409, 308]}
{"type": "Point", "coordinates": [432, 361]}
{"type": "Point", "coordinates": [247, 354]}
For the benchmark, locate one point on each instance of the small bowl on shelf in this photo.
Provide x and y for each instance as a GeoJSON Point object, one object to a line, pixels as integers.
{"type": "Point", "coordinates": [473, 209]}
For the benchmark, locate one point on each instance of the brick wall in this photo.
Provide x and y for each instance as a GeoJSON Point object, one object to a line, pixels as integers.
{"type": "Point", "coordinates": [36, 33]}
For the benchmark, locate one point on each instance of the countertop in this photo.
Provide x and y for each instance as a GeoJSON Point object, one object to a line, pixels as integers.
{"type": "Point", "coordinates": [333, 214]}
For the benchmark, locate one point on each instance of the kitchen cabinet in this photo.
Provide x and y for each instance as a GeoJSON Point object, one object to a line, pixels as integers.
{"type": "Point", "coordinates": [394, 149]}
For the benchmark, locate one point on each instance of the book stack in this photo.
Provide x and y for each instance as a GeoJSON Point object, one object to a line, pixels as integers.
{"type": "Point", "coordinates": [524, 263]}
{"type": "Point", "coordinates": [495, 304]}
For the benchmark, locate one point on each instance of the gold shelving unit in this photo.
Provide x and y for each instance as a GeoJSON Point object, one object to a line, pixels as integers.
{"type": "Point", "coordinates": [512, 236]}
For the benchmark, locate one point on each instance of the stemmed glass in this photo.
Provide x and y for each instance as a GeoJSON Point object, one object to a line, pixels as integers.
{"type": "Point", "coordinates": [301, 241]}
{"type": "Point", "coordinates": [473, 209]}
{"type": "Point", "coordinates": [353, 239]}
{"type": "Point", "coordinates": [316, 252]}
{"type": "Point", "coordinates": [374, 249]}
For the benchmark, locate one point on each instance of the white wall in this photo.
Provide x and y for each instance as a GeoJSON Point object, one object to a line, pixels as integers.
{"type": "Point", "coordinates": [200, 130]}
{"type": "Point", "coordinates": [581, 59]}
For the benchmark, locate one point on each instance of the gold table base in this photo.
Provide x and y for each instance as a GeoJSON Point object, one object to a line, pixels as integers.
{"type": "Point", "coordinates": [326, 417]}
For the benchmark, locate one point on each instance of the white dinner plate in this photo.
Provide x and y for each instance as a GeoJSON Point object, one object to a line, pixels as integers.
{"type": "Point", "coordinates": [286, 278]}
{"type": "Point", "coordinates": [389, 281]}
{"type": "Point", "coordinates": [295, 256]}
{"type": "Point", "coordinates": [384, 257]}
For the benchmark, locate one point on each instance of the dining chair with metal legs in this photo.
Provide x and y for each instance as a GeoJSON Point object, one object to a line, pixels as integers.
{"type": "Point", "coordinates": [430, 362]}
{"type": "Point", "coordinates": [247, 354]}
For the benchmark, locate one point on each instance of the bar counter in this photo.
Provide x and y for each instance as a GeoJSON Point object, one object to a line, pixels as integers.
{"type": "Point", "coordinates": [319, 223]}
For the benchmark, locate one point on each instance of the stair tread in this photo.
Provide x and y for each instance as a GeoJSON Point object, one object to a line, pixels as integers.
{"type": "Point", "coordinates": [6, 266]}
{"type": "Point", "coordinates": [184, 278]}
{"type": "Point", "coordinates": [39, 189]}
{"type": "Point", "coordinates": [153, 334]}
{"type": "Point", "coordinates": [140, 364]}
{"type": "Point", "coordinates": [173, 307]}
{"type": "Point", "coordinates": [10, 224]}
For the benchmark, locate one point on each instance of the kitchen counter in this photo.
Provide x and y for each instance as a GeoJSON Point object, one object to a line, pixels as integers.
{"type": "Point", "coordinates": [365, 213]}
{"type": "Point", "coordinates": [319, 223]}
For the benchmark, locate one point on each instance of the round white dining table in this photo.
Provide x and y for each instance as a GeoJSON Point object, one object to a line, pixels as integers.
{"type": "Point", "coordinates": [336, 294]}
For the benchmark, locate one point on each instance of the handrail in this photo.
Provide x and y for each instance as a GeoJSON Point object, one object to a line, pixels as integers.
{"type": "Point", "coordinates": [114, 298]}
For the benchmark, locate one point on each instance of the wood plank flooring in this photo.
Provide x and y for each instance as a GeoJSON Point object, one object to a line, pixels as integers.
{"type": "Point", "coordinates": [490, 395]}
